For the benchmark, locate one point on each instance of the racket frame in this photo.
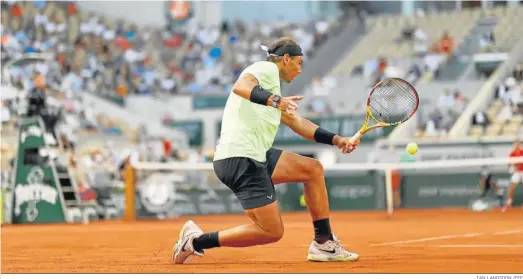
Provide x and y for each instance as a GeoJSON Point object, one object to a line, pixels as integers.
{"type": "Point", "coordinates": [380, 124]}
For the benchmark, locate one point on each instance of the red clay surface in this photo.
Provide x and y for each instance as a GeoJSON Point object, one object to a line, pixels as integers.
{"type": "Point", "coordinates": [420, 241]}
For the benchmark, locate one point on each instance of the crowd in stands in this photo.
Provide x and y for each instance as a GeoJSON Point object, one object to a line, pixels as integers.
{"type": "Point", "coordinates": [209, 59]}
{"type": "Point", "coordinates": [114, 58]}
{"type": "Point", "coordinates": [504, 115]}
{"type": "Point", "coordinates": [425, 55]}
{"type": "Point", "coordinates": [119, 58]}
{"type": "Point", "coordinates": [442, 117]}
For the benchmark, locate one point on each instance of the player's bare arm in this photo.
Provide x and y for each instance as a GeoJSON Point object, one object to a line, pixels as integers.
{"type": "Point", "coordinates": [248, 88]}
{"type": "Point", "coordinates": [313, 132]}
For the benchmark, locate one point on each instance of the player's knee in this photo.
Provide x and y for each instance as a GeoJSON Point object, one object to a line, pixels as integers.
{"type": "Point", "coordinates": [316, 169]}
{"type": "Point", "coordinates": [275, 233]}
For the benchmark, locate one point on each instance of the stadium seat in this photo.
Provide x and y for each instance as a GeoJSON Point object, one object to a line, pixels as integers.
{"type": "Point", "coordinates": [517, 119]}
{"type": "Point", "coordinates": [508, 29]}
{"type": "Point", "coordinates": [380, 39]}
{"type": "Point", "coordinates": [493, 130]}
{"type": "Point", "coordinates": [476, 131]}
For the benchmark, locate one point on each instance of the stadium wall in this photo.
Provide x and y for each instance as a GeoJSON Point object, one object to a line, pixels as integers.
{"type": "Point", "coordinates": [357, 188]}
{"type": "Point", "coordinates": [434, 150]}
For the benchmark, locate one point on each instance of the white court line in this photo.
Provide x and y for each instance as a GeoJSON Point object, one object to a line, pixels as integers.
{"type": "Point", "coordinates": [427, 239]}
{"type": "Point", "coordinates": [508, 232]}
{"type": "Point", "coordinates": [479, 246]}
{"type": "Point", "coordinates": [467, 246]}
{"type": "Point", "coordinates": [443, 237]}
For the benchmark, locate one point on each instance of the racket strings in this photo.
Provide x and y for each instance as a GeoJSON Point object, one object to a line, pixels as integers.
{"type": "Point", "coordinates": [393, 101]}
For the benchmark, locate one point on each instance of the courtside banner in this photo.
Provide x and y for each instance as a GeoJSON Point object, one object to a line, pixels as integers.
{"type": "Point", "coordinates": [263, 276]}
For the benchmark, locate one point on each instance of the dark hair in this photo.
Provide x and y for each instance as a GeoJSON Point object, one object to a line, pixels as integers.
{"type": "Point", "coordinates": [283, 41]}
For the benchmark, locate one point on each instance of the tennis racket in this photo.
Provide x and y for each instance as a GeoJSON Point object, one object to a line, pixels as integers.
{"type": "Point", "coordinates": [392, 101]}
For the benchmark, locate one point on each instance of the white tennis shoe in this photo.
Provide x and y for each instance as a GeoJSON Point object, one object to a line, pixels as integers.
{"type": "Point", "coordinates": [183, 249]}
{"type": "Point", "coordinates": [330, 251]}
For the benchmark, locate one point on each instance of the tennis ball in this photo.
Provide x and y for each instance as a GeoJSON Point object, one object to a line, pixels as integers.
{"type": "Point", "coordinates": [302, 201]}
{"type": "Point", "coordinates": [412, 148]}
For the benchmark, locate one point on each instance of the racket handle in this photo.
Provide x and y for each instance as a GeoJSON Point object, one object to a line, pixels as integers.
{"type": "Point", "coordinates": [356, 137]}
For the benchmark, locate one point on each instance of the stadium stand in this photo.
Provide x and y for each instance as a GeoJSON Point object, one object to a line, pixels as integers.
{"type": "Point", "coordinates": [113, 59]}
{"type": "Point", "coordinates": [506, 33]}
{"type": "Point", "coordinates": [383, 41]}
{"type": "Point", "coordinates": [504, 115]}
{"type": "Point", "coordinates": [411, 47]}
{"type": "Point", "coordinates": [208, 60]}
{"type": "Point", "coordinates": [396, 45]}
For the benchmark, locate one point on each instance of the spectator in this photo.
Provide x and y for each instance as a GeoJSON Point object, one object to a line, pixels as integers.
{"type": "Point", "coordinates": [487, 41]}
{"type": "Point", "coordinates": [518, 73]}
{"type": "Point", "coordinates": [5, 114]}
{"type": "Point", "coordinates": [121, 88]}
{"type": "Point", "coordinates": [481, 119]}
{"type": "Point", "coordinates": [459, 103]}
{"type": "Point", "coordinates": [414, 73]}
{"type": "Point", "coordinates": [168, 84]}
{"type": "Point", "coordinates": [446, 100]}
{"type": "Point", "coordinates": [506, 112]}
{"type": "Point", "coordinates": [421, 43]}
{"type": "Point", "coordinates": [430, 129]}
{"type": "Point", "coordinates": [448, 121]}
{"type": "Point", "coordinates": [513, 91]}
{"type": "Point", "coordinates": [318, 89]}
{"type": "Point", "coordinates": [382, 65]}
{"type": "Point", "coordinates": [16, 10]}
{"type": "Point", "coordinates": [446, 44]}
{"type": "Point", "coordinates": [167, 147]}
{"type": "Point", "coordinates": [71, 8]}
{"type": "Point", "coordinates": [39, 81]}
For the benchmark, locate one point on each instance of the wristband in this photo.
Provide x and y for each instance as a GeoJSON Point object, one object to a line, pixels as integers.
{"type": "Point", "coordinates": [260, 95]}
{"type": "Point", "coordinates": [323, 136]}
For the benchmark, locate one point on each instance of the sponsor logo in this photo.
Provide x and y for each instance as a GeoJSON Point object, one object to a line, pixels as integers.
{"type": "Point", "coordinates": [32, 193]}
{"type": "Point", "coordinates": [352, 191]}
{"type": "Point", "coordinates": [328, 251]}
{"type": "Point", "coordinates": [448, 192]}
{"type": "Point", "coordinates": [157, 193]}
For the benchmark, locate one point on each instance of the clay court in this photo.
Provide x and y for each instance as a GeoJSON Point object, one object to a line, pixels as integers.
{"type": "Point", "coordinates": [412, 241]}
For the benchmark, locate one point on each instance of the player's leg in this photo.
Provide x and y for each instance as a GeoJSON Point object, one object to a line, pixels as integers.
{"type": "Point", "coordinates": [267, 227]}
{"type": "Point", "coordinates": [251, 183]}
{"type": "Point", "coordinates": [499, 194]}
{"type": "Point", "coordinates": [290, 167]}
{"type": "Point", "coordinates": [514, 181]}
{"type": "Point", "coordinates": [396, 183]}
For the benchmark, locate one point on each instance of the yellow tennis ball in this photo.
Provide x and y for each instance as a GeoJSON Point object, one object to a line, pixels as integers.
{"type": "Point", "coordinates": [302, 201]}
{"type": "Point", "coordinates": [412, 148]}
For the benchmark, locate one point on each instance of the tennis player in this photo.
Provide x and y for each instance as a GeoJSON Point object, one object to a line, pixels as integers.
{"type": "Point", "coordinates": [246, 162]}
{"type": "Point", "coordinates": [517, 176]}
{"type": "Point", "coordinates": [487, 183]}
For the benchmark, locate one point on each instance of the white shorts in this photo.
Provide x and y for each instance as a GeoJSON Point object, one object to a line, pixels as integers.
{"type": "Point", "coordinates": [517, 177]}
